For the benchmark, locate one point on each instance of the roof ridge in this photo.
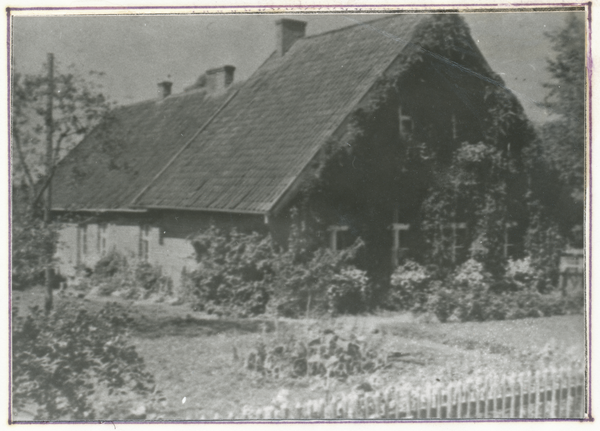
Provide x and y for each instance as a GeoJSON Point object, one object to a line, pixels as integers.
{"type": "Point", "coordinates": [335, 30]}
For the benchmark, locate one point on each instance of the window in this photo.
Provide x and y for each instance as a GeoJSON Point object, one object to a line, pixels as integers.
{"type": "Point", "coordinates": [510, 239]}
{"type": "Point", "coordinates": [405, 122]}
{"type": "Point", "coordinates": [454, 238]}
{"type": "Point", "coordinates": [399, 248]}
{"type": "Point", "coordinates": [84, 240]}
{"type": "Point", "coordinates": [454, 127]}
{"type": "Point", "coordinates": [339, 237]}
{"type": "Point", "coordinates": [101, 239]}
{"type": "Point", "coordinates": [81, 243]}
{"type": "Point", "coordinates": [144, 242]}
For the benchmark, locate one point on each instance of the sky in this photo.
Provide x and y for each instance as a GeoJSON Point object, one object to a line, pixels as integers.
{"type": "Point", "coordinates": [137, 52]}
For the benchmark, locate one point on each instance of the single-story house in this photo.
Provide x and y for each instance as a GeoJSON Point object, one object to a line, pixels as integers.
{"type": "Point", "coordinates": [236, 154]}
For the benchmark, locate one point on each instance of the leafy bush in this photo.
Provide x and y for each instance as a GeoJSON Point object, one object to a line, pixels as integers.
{"type": "Point", "coordinates": [31, 242]}
{"type": "Point", "coordinates": [74, 365]}
{"type": "Point", "coordinates": [232, 274]}
{"type": "Point", "coordinates": [442, 301]}
{"type": "Point", "coordinates": [349, 291]}
{"type": "Point", "coordinates": [114, 274]}
{"type": "Point", "coordinates": [410, 286]}
{"type": "Point", "coordinates": [319, 282]}
{"type": "Point", "coordinates": [470, 294]}
{"type": "Point", "coordinates": [521, 273]}
{"type": "Point", "coordinates": [110, 264]}
{"type": "Point", "coordinates": [325, 355]}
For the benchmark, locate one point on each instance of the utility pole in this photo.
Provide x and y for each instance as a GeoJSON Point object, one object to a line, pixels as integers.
{"type": "Point", "coordinates": [49, 162]}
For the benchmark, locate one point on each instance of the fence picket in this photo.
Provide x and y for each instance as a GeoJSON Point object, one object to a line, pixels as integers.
{"type": "Point", "coordinates": [530, 396]}
{"type": "Point", "coordinates": [449, 400]}
{"type": "Point", "coordinates": [418, 403]}
{"type": "Point", "coordinates": [568, 400]}
{"type": "Point", "coordinates": [559, 398]}
{"type": "Point", "coordinates": [513, 397]}
{"type": "Point", "coordinates": [493, 395]}
{"type": "Point", "coordinates": [502, 390]}
{"type": "Point", "coordinates": [459, 400]}
{"type": "Point", "coordinates": [427, 400]}
{"type": "Point", "coordinates": [438, 401]}
{"type": "Point", "coordinates": [472, 399]}
{"type": "Point", "coordinates": [539, 394]}
{"type": "Point", "coordinates": [387, 397]}
{"type": "Point", "coordinates": [536, 402]}
{"type": "Point", "coordinates": [553, 394]}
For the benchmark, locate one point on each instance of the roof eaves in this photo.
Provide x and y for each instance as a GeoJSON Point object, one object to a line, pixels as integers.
{"type": "Point", "coordinates": [101, 210]}
{"type": "Point", "coordinates": [200, 209]}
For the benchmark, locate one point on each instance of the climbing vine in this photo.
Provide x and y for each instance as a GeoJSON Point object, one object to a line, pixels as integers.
{"type": "Point", "coordinates": [461, 159]}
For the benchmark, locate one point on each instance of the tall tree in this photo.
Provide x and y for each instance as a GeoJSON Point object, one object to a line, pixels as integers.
{"type": "Point", "coordinates": [77, 106]}
{"type": "Point", "coordinates": [564, 137]}
{"type": "Point", "coordinates": [51, 112]}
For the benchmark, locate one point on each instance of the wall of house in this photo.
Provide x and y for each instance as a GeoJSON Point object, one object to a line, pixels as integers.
{"type": "Point", "coordinates": [166, 233]}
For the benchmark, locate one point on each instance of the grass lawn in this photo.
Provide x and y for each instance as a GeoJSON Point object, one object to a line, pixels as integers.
{"type": "Point", "coordinates": [192, 355]}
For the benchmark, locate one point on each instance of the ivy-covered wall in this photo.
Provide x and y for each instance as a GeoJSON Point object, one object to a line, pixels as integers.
{"type": "Point", "coordinates": [459, 160]}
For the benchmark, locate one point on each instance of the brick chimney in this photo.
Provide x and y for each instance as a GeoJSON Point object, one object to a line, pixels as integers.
{"type": "Point", "coordinates": [219, 79]}
{"type": "Point", "coordinates": [164, 89]}
{"type": "Point", "coordinates": [288, 32]}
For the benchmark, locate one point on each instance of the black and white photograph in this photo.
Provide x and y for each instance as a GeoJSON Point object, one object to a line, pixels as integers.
{"type": "Point", "coordinates": [247, 215]}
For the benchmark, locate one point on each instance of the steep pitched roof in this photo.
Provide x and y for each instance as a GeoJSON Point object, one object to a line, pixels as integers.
{"type": "Point", "coordinates": [253, 150]}
{"type": "Point", "coordinates": [115, 162]}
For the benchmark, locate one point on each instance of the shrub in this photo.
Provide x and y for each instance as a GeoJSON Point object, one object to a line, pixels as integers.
{"type": "Point", "coordinates": [471, 294]}
{"type": "Point", "coordinates": [318, 283]}
{"type": "Point", "coordinates": [442, 301]}
{"type": "Point", "coordinates": [74, 365]}
{"type": "Point", "coordinates": [114, 274]}
{"type": "Point", "coordinates": [324, 355]}
{"type": "Point", "coordinates": [349, 291]}
{"type": "Point", "coordinates": [110, 264]}
{"type": "Point", "coordinates": [522, 275]}
{"type": "Point", "coordinates": [410, 286]}
{"type": "Point", "coordinates": [31, 242]}
{"type": "Point", "coordinates": [232, 274]}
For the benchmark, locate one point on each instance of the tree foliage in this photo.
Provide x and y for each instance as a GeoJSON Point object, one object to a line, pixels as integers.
{"type": "Point", "coordinates": [563, 138]}
{"type": "Point", "coordinates": [78, 105]}
{"type": "Point", "coordinates": [77, 365]}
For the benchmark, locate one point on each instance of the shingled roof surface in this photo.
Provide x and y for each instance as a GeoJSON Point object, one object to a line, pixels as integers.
{"type": "Point", "coordinates": [253, 150]}
{"type": "Point", "coordinates": [108, 169]}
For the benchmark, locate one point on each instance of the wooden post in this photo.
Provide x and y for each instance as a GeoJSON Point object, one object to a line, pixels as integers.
{"type": "Point", "coordinates": [513, 396]}
{"type": "Point", "coordinates": [49, 120]}
{"type": "Point", "coordinates": [418, 403]}
{"type": "Point", "coordinates": [536, 409]}
{"type": "Point", "coordinates": [459, 400]}
{"type": "Point", "coordinates": [428, 401]}
{"type": "Point", "coordinates": [492, 395]}
{"type": "Point", "coordinates": [544, 378]}
{"type": "Point", "coordinates": [553, 395]}
{"type": "Point", "coordinates": [559, 393]}
{"type": "Point", "coordinates": [477, 395]}
{"type": "Point", "coordinates": [568, 401]}
{"type": "Point", "coordinates": [502, 383]}
{"type": "Point", "coordinates": [438, 402]}
{"type": "Point", "coordinates": [386, 403]}
{"type": "Point", "coordinates": [450, 400]}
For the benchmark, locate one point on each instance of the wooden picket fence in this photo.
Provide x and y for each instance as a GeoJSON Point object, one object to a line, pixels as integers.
{"type": "Point", "coordinates": [550, 393]}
